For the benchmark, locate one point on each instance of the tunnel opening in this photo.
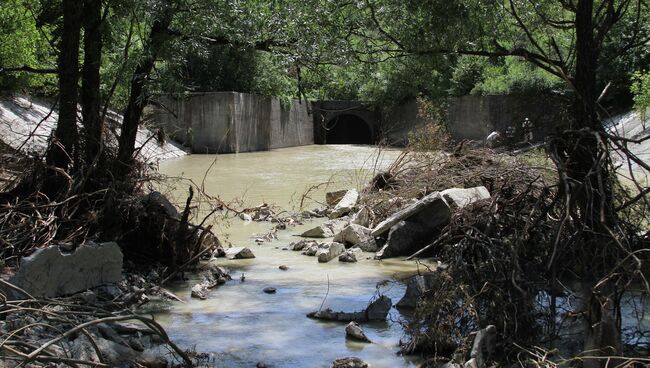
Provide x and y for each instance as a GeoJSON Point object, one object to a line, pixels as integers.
{"type": "Point", "coordinates": [348, 129]}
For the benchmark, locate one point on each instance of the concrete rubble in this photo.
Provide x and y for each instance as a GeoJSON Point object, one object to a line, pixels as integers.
{"type": "Point", "coordinates": [52, 272]}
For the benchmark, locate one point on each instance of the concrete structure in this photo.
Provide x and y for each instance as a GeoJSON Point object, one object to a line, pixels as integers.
{"type": "Point", "coordinates": [337, 122]}
{"type": "Point", "coordinates": [231, 122]}
{"type": "Point", "coordinates": [27, 123]}
{"type": "Point", "coordinates": [474, 117]}
{"type": "Point", "coordinates": [50, 272]}
{"type": "Point", "coordinates": [227, 122]}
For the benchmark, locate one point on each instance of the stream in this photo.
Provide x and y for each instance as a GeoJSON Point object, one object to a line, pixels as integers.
{"type": "Point", "coordinates": [240, 325]}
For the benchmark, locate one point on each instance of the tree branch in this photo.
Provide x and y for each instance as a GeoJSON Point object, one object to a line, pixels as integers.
{"type": "Point", "coordinates": [27, 69]}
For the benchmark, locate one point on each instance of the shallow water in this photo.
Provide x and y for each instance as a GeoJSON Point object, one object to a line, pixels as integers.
{"type": "Point", "coordinates": [239, 323]}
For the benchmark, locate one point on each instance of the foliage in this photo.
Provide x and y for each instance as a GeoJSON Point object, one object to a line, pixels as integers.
{"type": "Point", "coordinates": [641, 89]}
{"type": "Point", "coordinates": [23, 43]}
{"type": "Point", "coordinates": [432, 135]}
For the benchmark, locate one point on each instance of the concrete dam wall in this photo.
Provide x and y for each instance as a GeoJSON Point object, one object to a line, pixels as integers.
{"type": "Point", "coordinates": [231, 122]}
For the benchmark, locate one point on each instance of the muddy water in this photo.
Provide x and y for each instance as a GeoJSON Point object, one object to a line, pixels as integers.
{"type": "Point", "coordinates": [242, 326]}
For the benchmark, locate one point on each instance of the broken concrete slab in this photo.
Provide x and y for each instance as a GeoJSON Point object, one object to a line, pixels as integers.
{"type": "Point", "coordinates": [459, 198]}
{"type": "Point", "coordinates": [328, 229]}
{"type": "Point", "coordinates": [345, 205]}
{"type": "Point", "coordinates": [328, 251]}
{"type": "Point", "coordinates": [49, 272]}
{"type": "Point", "coordinates": [432, 205]}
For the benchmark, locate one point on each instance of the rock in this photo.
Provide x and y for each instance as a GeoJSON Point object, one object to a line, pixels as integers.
{"type": "Point", "coordinates": [114, 354]}
{"type": "Point", "coordinates": [332, 198]}
{"type": "Point", "coordinates": [328, 229]}
{"type": "Point", "coordinates": [246, 217]}
{"type": "Point", "coordinates": [345, 205]}
{"type": "Point", "coordinates": [494, 140]}
{"type": "Point", "coordinates": [283, 267]}
{"type": "Point", "coordinates": [404, 238]}
{"type": "Point", "coordinates": [354, 332]}
{"type": "Point", "coordinates": [303, 244]}
{"type": "Point", "coordinates": [355, 235]}
{"type": "Point", "coordinates": [376, 311]}
{"type": "Point", "coordinates": [459, 198]}
{"type": "Point", "coordinates": [328, 251]}
{"type": "Point", "coordinates": [211, 277]}
{"type": "Point", "coordinates": [127, 328]}
{"type": "Point", "coordinates": [159, 203]}
{"type": "Point", "coordinates": [311, 250]}
{"type": "Point", "coordinates": [484, 346]}
{"type": "Point", "coordinates": [49, 273]}
{"type": "Point", "coordinates": [269, 290]}
{"type": "Point", "coordinates": [416, 225]}
{"type": "Point", "coordinates": [431, 205]}
{"type": "Point", "coordinates": [471, 364]}
{"type": "Point", "coordinates": [350, 255]}
{"type": "Point", "coordinates": [153, 362]}
{"type": "Point", "coordinates": [239, 253]}
{"type": "Point", "coordinates": [361, 217]}
{"type": "Point", "coordinates": [199, 291]}
{"type": "Point", "coordinates": [451, 364]}
{"type": "Point", "coordinates": [416, 286]}
{"type": "Point", "coordinates": [351, 362]}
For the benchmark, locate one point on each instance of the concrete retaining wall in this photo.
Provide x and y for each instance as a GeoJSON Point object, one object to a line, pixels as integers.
{"type": "Point", "coordinates": [231, 122]}
{"type": "Point", "coordinates": [291, 126]}
{"type": "Point", "coordinates": [474, 117]}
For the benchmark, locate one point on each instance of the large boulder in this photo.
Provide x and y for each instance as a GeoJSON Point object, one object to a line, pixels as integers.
{"type": "Point", "coordinates": [411, 228]}
{"type": "Point", "coordinates": [328, 229]}
{"type": "Point", "coordinates": [49, 272]}
{"type": "Point", "coordinates": [345, 205]}
{"type": "Point", "coordinates": [239, 253]}
{"type": "Point", "coordinates": [432, 209]}
{"type": "Point", "coordinates": [355, 235]}
{"type": "Point", "coordinates": [459, 198]}
{"type": "Point", "coordinates": [416, 286]}
{"type": "Point", "coordinates": [328, 251]}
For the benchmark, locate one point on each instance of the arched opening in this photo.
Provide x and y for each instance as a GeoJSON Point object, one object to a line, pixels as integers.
{"type": "Point", "coordinates": [348, 129]}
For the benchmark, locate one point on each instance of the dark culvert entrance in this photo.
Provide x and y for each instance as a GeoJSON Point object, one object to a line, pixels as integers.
{"type": "Point", "coordinates": [348, 129]}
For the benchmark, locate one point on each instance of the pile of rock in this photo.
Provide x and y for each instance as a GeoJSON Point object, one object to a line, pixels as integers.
{"type": "Point", "coordinates": [403, 233]}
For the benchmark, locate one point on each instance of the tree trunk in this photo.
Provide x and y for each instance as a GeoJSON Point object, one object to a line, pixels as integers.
{"type": "Point", "coordinates": [90, 96]}
{"type": "Point", "coordinates": [65, 141]}
{"type": "Point", "coordinates": [137, 98]}
{"type": "Point", "coordinates": [588, 171]}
